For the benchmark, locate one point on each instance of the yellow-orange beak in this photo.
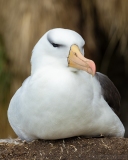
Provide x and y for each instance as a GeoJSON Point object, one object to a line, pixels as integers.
{"type": "Point", "coordinates": [77, 60]}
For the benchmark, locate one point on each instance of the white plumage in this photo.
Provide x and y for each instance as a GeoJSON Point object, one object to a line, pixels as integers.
{"type": "Point", "coordinates": [57, 100]}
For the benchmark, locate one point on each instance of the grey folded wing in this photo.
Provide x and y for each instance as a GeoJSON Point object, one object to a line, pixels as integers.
{"type": "Point", "coordinates": [109, 91]}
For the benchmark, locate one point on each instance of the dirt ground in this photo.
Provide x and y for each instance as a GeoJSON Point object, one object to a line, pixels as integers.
{"type": "Point", "coordinates": [68, 149]}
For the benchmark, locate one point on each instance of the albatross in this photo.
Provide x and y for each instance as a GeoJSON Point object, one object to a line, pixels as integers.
{"type": "Point", "coordinates": [64, 96]}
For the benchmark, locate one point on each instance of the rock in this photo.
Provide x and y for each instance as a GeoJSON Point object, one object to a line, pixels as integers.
{"type": "Point", "coordinates": [67, 149]}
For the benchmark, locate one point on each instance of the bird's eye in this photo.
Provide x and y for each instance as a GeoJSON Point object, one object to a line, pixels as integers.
{"type": "Point", "coordinates": [55, 45]}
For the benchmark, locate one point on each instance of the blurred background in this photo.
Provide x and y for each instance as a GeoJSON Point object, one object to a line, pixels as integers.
{"type": "Point", "coordinates": [103, 25]}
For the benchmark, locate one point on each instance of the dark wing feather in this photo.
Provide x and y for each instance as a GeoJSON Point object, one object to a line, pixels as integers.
{"type": "Point", "coordinates": [109, 91]}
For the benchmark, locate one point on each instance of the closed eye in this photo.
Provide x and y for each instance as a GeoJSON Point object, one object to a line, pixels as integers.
{"type": "Point", "coordinates": [55, 45]}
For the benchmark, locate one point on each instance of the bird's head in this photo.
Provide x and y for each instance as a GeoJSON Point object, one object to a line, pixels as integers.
{"type": "Point", "coordinates": [61, 47]}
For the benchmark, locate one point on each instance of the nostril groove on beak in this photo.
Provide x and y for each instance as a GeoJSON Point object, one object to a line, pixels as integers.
{"type": "Point", "coordinates": [75, 54]}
